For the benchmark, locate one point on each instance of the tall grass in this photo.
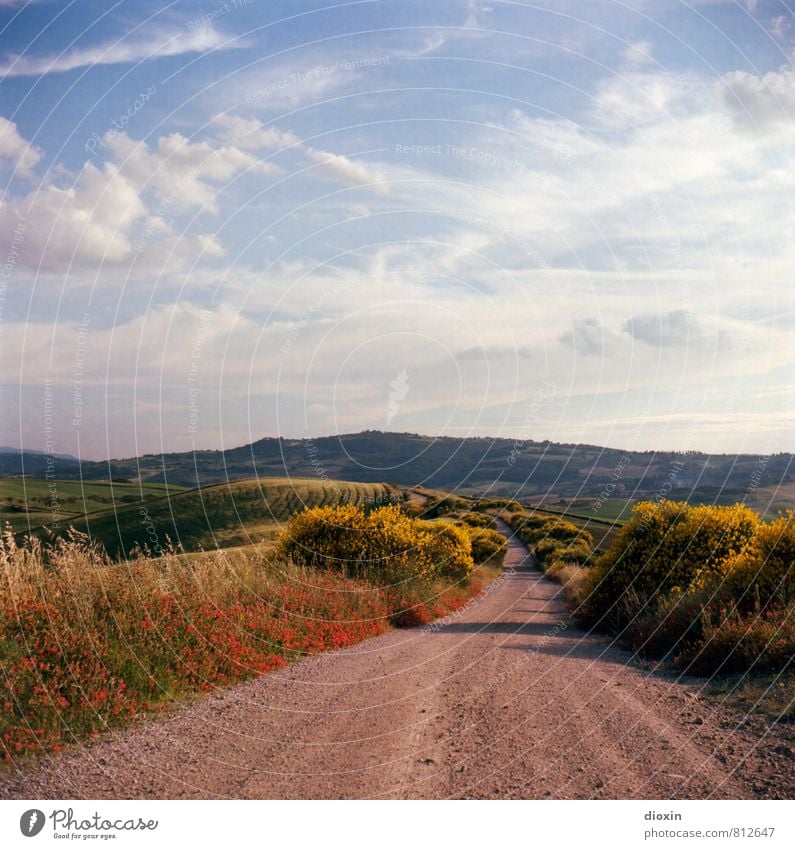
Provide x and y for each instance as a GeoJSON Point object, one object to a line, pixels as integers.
{"type": "Point", "coordinates": [86, 642]}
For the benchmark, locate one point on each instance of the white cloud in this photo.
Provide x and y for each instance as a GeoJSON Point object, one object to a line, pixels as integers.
{"type": "Point", "coordinates": [291, 85]}
{"type": "Point", "coordinates": [120, 212]}
{"type": "Point", "coordinates": [667, 186]}
{"type": "Point", "coordinates": [760, 102]}
{"type": "Point", "coordinates": [674, 329]}
{"type": "Point", "coordinates": [21, 153]}
{"type": "Point", "coordinates": [656, 212]}
{"type": "Point", "coordinates": [589, 337]}
{"type": "Point", "coordinates": [355, 173]}
{"type": "Point", "coordinates": [132, 49]}
{"type": "Point", "coordinates": [639, 53]}
{"type": "Point", "coordinates": [251, 134]}
{"type": "Point", "coordinates": [321, 75]}
{"type": "Point", "coordinates": [182, 173]}
{"type": "Point", "coordinates": [101, 218]}
{"type": "Point", "coordinates": [640, 98]}
{"type": "Point", "coordinates": [87, 221]}
{"type": "Point", "coordinates": [781, 27]}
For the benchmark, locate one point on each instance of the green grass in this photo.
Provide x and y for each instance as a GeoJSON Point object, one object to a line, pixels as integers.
{"type": "Point", "coordinates": [26, 503]}
{"type": "Point", "coordinates": [610, 509]}
{"type": "Point", "coordinates": [226, 515]}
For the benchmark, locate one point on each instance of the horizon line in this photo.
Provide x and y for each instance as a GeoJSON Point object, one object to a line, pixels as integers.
{"type": "Point", "coordinates": [62, 455]}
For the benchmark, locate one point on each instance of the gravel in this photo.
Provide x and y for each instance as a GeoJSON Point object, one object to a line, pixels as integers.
{"type": "Point", "coordinates": [506, 700]}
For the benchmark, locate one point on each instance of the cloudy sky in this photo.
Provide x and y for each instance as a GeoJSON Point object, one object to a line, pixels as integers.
{"type": "Point", "coordinates": [562, 220]}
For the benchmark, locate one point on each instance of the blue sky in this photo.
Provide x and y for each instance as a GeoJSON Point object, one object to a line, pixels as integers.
{"type": "Point", "coordinates": [559, 220]}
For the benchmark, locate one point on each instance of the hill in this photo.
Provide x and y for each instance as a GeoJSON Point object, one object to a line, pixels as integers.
{"type": "Point", "coordinates": [236, 513]}
{"type": "Point", "coordinates": [28, 502]}
{"type": "Point", "coordinates": [7, 449]}
{"type": "Point", "coordinates": [526, 469]}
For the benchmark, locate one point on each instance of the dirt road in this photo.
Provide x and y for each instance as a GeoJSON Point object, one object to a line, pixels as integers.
{"type": "Point", "coordinates": [505, 700]}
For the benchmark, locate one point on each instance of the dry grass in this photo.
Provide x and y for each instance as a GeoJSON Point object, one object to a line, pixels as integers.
{"type": "Point", "coordinates": [573, 579]}
{"type": "Point", "coordinates": [86, 642]}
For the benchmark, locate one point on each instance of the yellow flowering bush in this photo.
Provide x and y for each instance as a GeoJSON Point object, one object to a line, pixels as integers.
{"type": "Point", "coordinates": [665, 546]}
{"type": "Point", "coordinates": [533, 531]}
{"type": "Point", "coordinates": [447, 548]}
{"type": "Point", "coordinates": [479, 520]}
{"type": "Point", "coordinates": [384, 544]}
{"type": "Point", "coordinates": [523, 522]}
{"type": "Point", "coordinates": [710, 588]}
{"type": "Point", "coordinates": [488, 545]}
{"type": "Point", "coordinates": [571, 553]}
{"type": "Point", "coordinates": [764, 572]}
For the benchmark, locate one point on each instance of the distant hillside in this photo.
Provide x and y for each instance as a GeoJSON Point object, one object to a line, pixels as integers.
{"type": "Point", "coordinates": [529, 470]}
{"type": "Point", "coordinates": [6, 449]}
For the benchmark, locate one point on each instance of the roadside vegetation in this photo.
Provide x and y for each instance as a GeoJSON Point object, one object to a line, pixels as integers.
{"type": "Point", "coordinates": [553, 540]}
{"type": "Point", "coordinates": [88, 641]}
{"type": "Point", "coordinates": [711, 589]}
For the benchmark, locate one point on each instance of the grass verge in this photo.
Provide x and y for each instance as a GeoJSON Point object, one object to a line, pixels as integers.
{"type": "Point", "coordinates": [87, 643]}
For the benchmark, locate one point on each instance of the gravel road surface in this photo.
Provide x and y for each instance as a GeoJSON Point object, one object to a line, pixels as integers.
{"type": "Point", "coordinates": [505, 700]}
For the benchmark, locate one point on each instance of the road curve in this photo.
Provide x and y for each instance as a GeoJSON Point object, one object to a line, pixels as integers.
{"type": "Point", "coordinates": [505, 700]}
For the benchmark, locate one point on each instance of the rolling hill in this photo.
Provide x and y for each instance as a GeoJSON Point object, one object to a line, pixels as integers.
{"type": "Point", "coordinates": [26, 503]}
{"type": "Point", "coordinates": [526, 469]}
{"type": "Point", "coordinates": [224, 515]}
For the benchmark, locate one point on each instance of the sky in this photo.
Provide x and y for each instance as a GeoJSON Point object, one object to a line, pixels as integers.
{"type": "Point", "coordinates": [552, 220]}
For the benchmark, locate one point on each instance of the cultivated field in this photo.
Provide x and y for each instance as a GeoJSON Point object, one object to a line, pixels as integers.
{"type": "Point", "coordinates": [237, 513]}
{"type": "Point", "coordinates": [26, 503]}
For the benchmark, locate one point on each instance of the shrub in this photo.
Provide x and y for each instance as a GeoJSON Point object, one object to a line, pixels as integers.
{"type": "Point", "coordinates": [447, 548]}
{"type": "Point", "coordinates": [577, 552]}
{"type": "Point", "coordinates": [86, 642]}
{"type": "Point", "coordinates": [326, 537]}
{"type": "Point", "coordinates": [535, 530]}
{"type": "Point", "coordinates": [384, 545]}
{"type": "Point", "coordinates": [763, 574]}
{"type": "Point", "coordinates": [552, 539]}
{"type": "Point", "coordinates": [444, 506]}
{"type": "Point", "coordinates": [488, 546]}
{"type": "Point", "coordinates": [547, 549]}
{"type": "Point", "coordinates": [523, 521]}
{"type": "Point", "coordinates": [559, 529]}
{"type": "Point", "coordinates": [573, 578]}
{"type": "Point", "coordinates": [664, 546]}
{"type": "Point", "coordinates": [674, 622]}
{"type": "Point", "coordinates": [412, 510]}
{"type": "Point", "coordinates": [479, 520]}
{"type": "Point", "coordinates": [760, 643]}
{"type": "Point", "coordinates": [713, 588]}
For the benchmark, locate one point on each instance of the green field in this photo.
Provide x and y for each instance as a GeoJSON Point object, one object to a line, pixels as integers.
{"type": "Point", "coordinates": [609, 509]}
{"type": "Point", "coordinates": [221, 515]}
{"type": "Point", "coordinates": [602, 526]}
{"type": "Point", "coordinates": [27, 503]}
